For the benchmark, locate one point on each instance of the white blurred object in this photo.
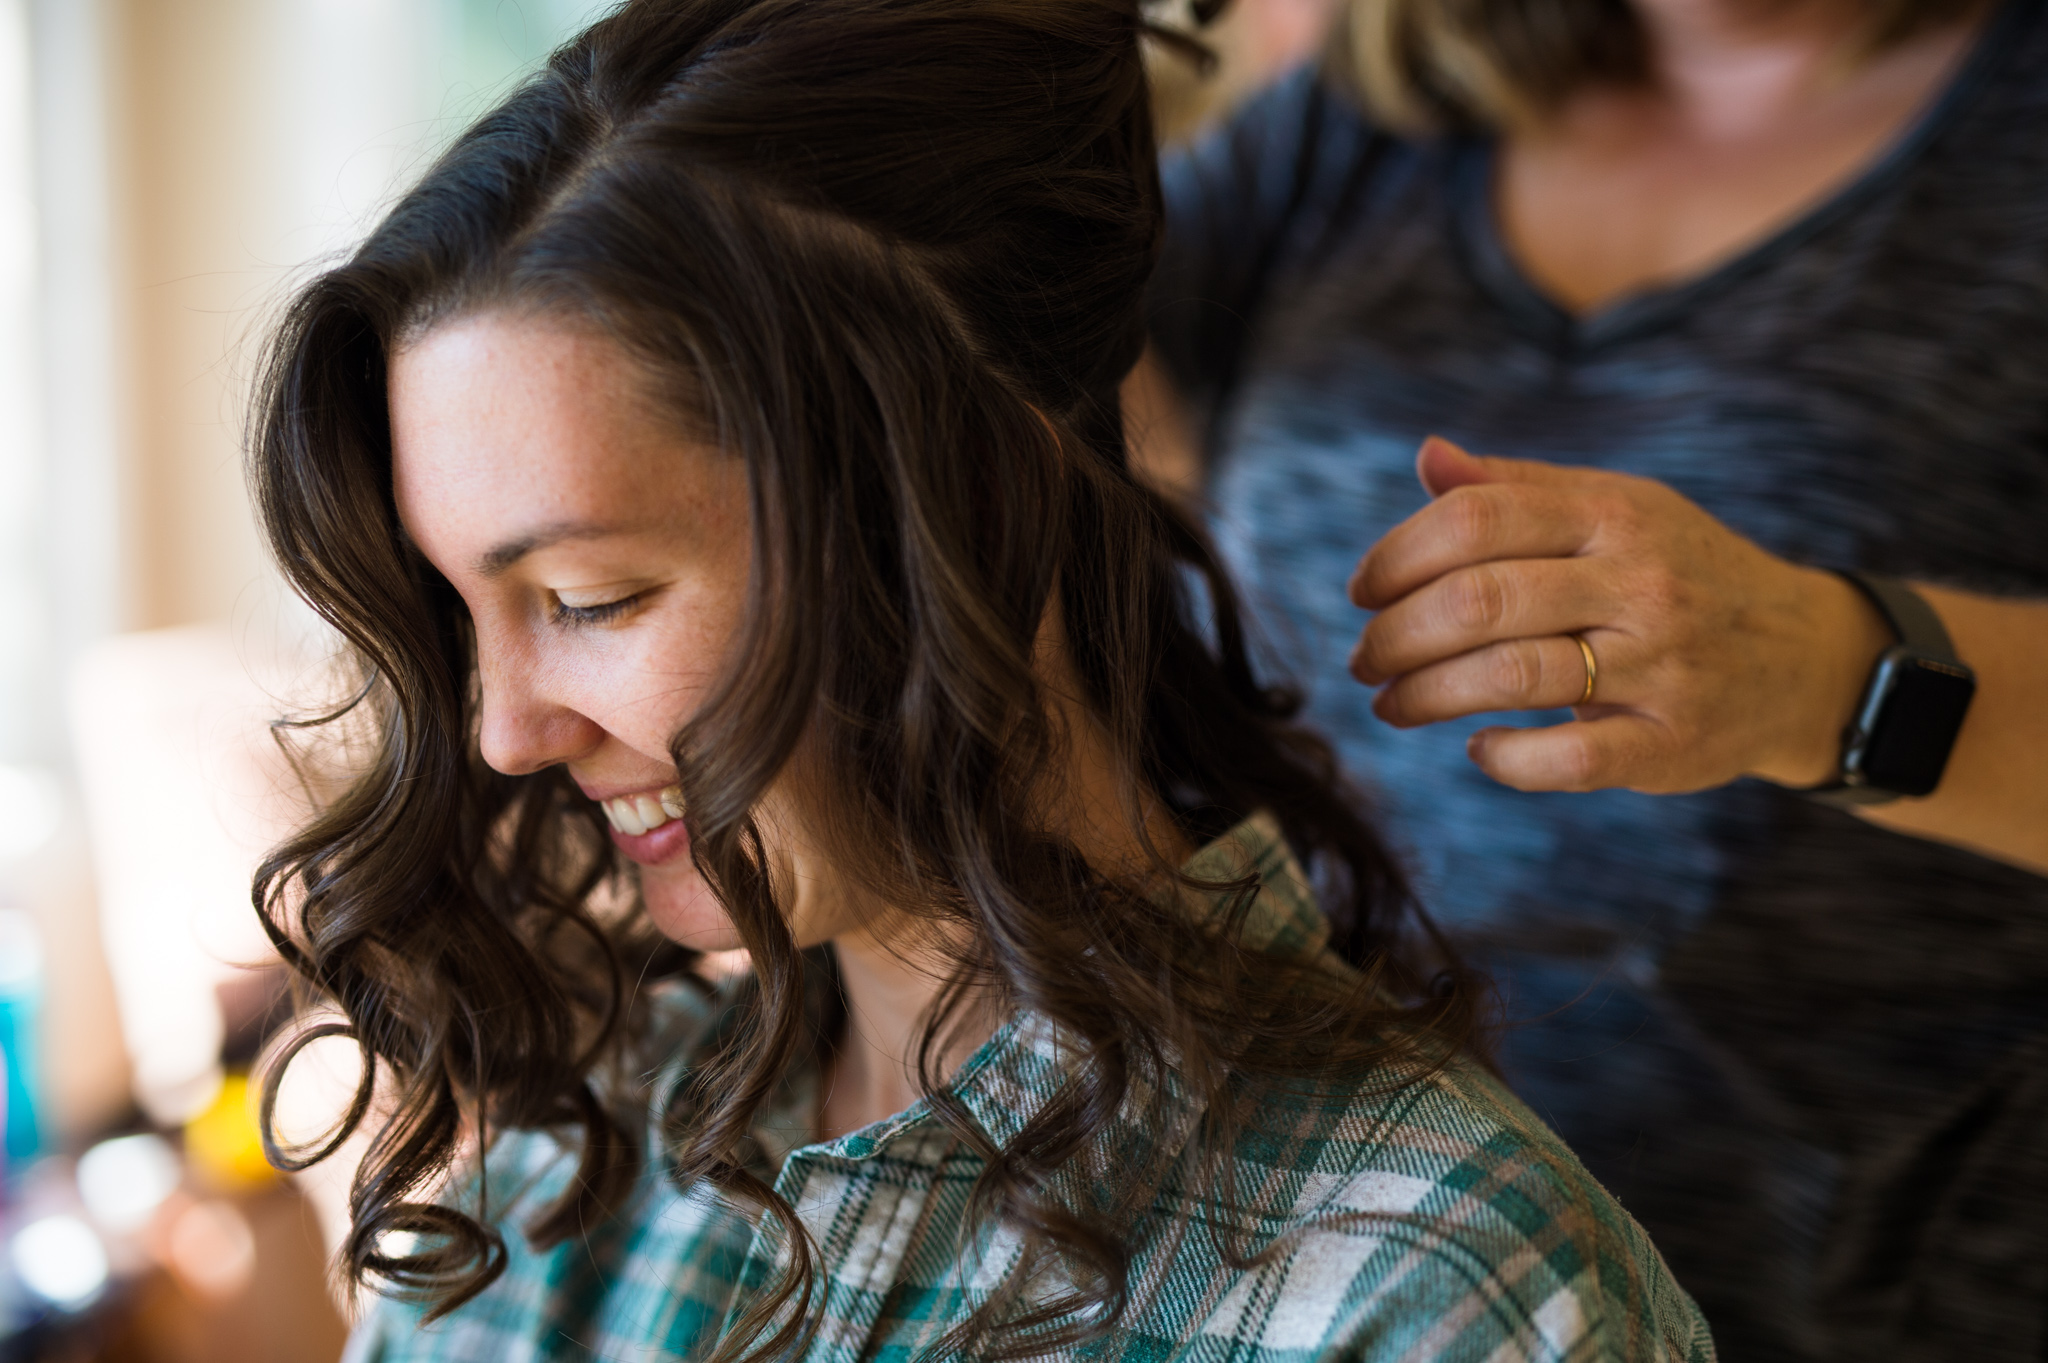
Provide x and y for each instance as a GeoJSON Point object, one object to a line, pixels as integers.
{"type": "Point", "coordinates": [21, 952]}
{"type": "Point", "coordinates": [123, 1181]}
{"type": "Point", "coordinates": [212, 1249]}
{"type": "Point", "coordinates": [30, 810]}
{"type": "Point", "coordinates": [60, 1260]}
{"type": "Point", "coordinates": [182, 715]}
{"type": "Point", "coordinates": [58, 1019]}
{"type": "Point", "coordinates": [311, 1098]}
{"type": "Point", "coordinates": [24, 691]}
{"type": "Point", "coordinates": [317, 1088]}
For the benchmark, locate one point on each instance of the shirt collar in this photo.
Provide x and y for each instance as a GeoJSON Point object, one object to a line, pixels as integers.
{"type": "Point", "coordinates": [1013, 1075]}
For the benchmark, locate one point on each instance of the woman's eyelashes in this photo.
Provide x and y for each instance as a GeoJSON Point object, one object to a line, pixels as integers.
{"type": "Point", "coordinates": [572, 612]}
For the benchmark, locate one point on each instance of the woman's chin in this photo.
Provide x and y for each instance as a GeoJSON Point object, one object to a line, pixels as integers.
{"type": "Point", "coordinates": [682, 907]}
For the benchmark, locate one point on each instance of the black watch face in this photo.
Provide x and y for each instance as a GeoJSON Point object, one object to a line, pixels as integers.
{"type": "Point", "coordinates": [1921, 711]}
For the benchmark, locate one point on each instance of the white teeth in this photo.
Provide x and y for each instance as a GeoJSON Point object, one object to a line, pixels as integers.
{"type": "Point", "coordinates": [637, 814]}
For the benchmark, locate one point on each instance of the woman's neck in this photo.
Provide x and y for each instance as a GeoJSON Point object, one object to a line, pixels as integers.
{"type": "Point", "coordinates": [893, 975]}
{"type": "Point", "coordinates": [1730, 69]}
{"type": "Point", "coordinates": [890, 991]}
{"type": "Point", "coordinates": [1754, 112]}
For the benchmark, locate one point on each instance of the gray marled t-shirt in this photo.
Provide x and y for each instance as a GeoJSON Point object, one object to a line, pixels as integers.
{"type": "Point", "coordinates": [1810, 1055]}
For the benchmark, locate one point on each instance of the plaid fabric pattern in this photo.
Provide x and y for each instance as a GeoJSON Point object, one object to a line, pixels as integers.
{"type": "Point", "coordinates": [1440, 1221]}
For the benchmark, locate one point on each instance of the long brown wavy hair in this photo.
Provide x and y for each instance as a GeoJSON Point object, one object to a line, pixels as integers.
{"type": "Point", "coordinates": [891, 253]}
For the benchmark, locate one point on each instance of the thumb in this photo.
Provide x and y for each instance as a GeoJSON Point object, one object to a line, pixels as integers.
{"type": "Point", "coordinates": [1443, 466]}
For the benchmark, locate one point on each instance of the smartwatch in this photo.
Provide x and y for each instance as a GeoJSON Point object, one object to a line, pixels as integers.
{"type": "Point", "coordinates": [1899, 739]}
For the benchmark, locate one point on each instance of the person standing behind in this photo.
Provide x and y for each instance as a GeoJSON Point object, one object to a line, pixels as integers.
{"type": "Point", "coordinates": [1751, 292]}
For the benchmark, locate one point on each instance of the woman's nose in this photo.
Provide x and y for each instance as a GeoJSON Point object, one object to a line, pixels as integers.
{"type": "Point", "coordinates": [523, 728]}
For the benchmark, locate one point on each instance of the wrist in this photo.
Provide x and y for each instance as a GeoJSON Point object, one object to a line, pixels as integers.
{"type": "Point", "coordinates": [1840, 638]}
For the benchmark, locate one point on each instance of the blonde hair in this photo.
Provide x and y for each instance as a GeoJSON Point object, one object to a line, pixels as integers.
{"type": "Point", "coordinates": [1423, 65]}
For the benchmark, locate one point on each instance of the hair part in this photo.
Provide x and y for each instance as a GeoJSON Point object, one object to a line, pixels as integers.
{"type": "Point", "coordinates": [891, 254]}
{"type": "Point", "coordinates": [1455, 65]}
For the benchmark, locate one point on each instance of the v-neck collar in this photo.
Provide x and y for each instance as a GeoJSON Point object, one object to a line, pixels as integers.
{"type": "Point", "coordinates": [1477, 225]}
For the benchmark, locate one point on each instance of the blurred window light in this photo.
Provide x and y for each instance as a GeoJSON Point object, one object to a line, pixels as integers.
{"type": "Point", "coordinates": [24, 690]}
{"type": "Point", "coordinates": [30, 810]}
{"type": "Point", "coordinates": [61, 1260]}
{"type": "Point", "coordinates": [316, 1089]}
{"type": "Point", "coordinates": [398, 1244]}
{"type": "Point", "coordinates": [123, 1181]}
{"type": "Point", "coordinates": [180, 704]}
{"type": "Point", "coordinates": [21, 953]}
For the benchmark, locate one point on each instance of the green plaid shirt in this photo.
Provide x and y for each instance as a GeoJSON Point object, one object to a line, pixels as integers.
{"type": "Point", "coordinates": [1440, 1221]}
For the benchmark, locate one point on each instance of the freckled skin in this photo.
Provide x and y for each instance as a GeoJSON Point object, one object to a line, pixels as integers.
{"type": "Point", "coordinates": [503, 428]}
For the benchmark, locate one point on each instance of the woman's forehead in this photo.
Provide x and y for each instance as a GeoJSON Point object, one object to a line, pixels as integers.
{"type": "Point", "coordinates": [508, 433]}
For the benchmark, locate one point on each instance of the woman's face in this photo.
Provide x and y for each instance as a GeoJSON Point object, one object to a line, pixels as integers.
{"type": "Point", "coordinates": [603, 556]}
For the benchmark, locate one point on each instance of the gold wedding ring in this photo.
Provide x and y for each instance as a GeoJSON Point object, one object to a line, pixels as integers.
{"type": "Point", "coordinates": [1592, 668]}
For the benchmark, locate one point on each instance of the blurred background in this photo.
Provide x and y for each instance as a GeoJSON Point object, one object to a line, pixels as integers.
{"type": "Point", "coordinates": [168, 168]}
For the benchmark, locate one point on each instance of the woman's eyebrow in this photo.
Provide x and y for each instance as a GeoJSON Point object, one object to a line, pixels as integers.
{"type": "Point", "coordinates": [495, 561]}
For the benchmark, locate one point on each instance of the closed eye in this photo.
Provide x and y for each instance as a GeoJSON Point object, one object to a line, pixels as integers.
{"type": "Point", "coordinates": [562, 613]}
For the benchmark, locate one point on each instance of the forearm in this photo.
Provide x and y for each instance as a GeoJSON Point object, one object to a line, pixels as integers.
{"type": "Point", "coordinates": [1993, 797]}
{"type": "Point", "coordinates": [1690, 655]}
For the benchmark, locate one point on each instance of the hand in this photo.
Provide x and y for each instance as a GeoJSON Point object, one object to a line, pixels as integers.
{"type": "Point", "coordinates": [1715, 659]}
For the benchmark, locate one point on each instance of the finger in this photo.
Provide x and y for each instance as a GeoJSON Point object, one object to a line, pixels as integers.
{"type": "Point", "coordinates": [1599, 754]}
{"type": "Point", "coordinates": [1521, 674]}
{"type": "Point", "coordinates": [1487, 604]}
{"type": "Point", "coordinates": [1443, 466]}
{"type": "Point", "coordinates": [1469, 525]}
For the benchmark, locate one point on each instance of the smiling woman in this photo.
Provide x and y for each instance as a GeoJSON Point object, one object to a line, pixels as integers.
{"type": "Point", "coordinates": [715, 468]}
{"type": "Point", "coordinates": [601, 558]}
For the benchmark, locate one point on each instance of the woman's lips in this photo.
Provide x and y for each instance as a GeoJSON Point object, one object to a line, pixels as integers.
{"type": "Point", "coordinates": [665, 843]}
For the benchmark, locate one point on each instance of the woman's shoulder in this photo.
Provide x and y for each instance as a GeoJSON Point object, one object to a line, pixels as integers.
{"type": "Point", "coordinates": [1412, 1210]}
{"type": "Point", "coordinates": [665, 1260]}
{"type": "Point", "coordinates": [662, 1267]}
{"type": "Point", "coordinates": [1299, 168]}
{"type": "Point", "coordinates": [1441, 1219]}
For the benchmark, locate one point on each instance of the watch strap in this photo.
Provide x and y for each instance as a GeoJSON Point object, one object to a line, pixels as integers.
{"type": "Point", "coordinates": [1907, 612]}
